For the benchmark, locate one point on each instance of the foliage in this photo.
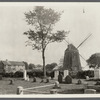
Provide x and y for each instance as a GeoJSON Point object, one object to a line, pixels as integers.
{"type": "Point", "coordinates": [39, 66]}
{"type": "Point", "coordinates": [0, 77]}
{"type": "Point", "coordinates": [35, 73]}
{"type": "Point", "coordinates": [43, 21]}
{"type": "Point", "coordinates": [83, 74]}
{"type": "Point", "coordinates": [49, 67]}
{"type": "Point", "coordinates": [68, 79]}
{"type": "Point", "coordinates": [18, 74]}
{"type": "Point", "coordinates": [11, 74]}
{"type": "Point", "coordinates": [73, 74]}
{"type": "Point", "coordinates": [94, 60]}
{"type": "Point", "coordinates": [31, 66]}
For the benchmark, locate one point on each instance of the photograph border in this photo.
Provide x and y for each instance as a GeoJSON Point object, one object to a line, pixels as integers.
{"type": "Point", "coordinates": [68, 97]}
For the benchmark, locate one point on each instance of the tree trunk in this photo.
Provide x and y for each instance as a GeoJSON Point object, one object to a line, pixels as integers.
{"type": "Point", "coordinates": [43, 58]}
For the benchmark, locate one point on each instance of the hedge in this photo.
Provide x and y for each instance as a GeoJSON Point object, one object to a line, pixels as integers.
{"type": "Point", "coordinates": [83, 74]}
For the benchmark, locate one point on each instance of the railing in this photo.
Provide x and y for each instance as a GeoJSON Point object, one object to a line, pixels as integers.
{"type": "Point", "coordinates": [21, 90]}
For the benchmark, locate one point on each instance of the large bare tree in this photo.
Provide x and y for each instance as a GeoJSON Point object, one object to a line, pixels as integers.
{"type": "Point", "coordinates": [43, 20]}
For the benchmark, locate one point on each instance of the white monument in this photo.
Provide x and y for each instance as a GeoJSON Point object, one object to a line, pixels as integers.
{"type": "Point", "coordinates": [56, 73]}
{"type": "Point", "coordinates": [66, 72]}
{"type": "Point", "coordinates": [97, 73]}
{"type": "Point", "coordinates": [25, 75]}
{"type": "Point", "coordinates": [27, 78]}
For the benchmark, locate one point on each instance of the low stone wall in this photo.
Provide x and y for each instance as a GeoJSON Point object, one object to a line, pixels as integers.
{"type": "Point", "coordinates": [72, 91]}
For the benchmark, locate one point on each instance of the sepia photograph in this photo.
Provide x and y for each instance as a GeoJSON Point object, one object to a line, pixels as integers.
{"type": "Point", "coordinates": [50, 49]}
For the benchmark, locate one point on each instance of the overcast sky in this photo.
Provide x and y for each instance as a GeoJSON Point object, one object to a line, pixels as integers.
{"type": "Point", "coordinates": [12, 26]}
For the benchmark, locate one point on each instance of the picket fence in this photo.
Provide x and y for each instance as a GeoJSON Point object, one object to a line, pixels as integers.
{"type": "Point", "coordinates": [21, 90]}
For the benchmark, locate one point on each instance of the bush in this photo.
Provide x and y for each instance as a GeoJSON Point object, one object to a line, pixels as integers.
{"type": "Point", "coordinates": [83, 74]}
{"type": "Point", "coordinates": [68, 79]}
{"type": "Point", "coordinates": [52, 75]}
{"type": "Point", "coordinates": [8, 74]}
{"type": "Point", "coordinates": [73, 74]}
{"type": "Point", "coordinates": [35, 73]}
{"type": "Point", "coordinates": [18, 74]}
{"type": "Point", "coordinates": [31, 74]}
{"type": "Point", "coordinates": [0, 77]}
{"type": "Point", "coordinates": [90, 73]}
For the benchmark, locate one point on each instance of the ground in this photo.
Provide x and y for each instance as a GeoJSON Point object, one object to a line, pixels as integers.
{"type": "Point", "coordinates": [6, 88]}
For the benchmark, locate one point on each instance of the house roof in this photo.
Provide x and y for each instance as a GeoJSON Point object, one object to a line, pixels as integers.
{"type": "Point", "coordinates": [59, 68]}
{"type": "Point", "coordinates": [13, 63]}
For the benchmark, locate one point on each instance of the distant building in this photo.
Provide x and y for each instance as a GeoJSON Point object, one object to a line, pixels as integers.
{"type": "Point", "coordinates": [11, 66]}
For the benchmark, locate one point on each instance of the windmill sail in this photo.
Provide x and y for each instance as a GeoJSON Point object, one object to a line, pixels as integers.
{"type": "Point", "coordinates": [84, 41]}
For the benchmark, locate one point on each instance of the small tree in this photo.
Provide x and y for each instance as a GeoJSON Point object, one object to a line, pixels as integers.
{"type": "Point", "coordinates": [39, 66]}
{"type": "Point", "coordinates": [43, 21]}
{"type": "Point", "coordinates": [31, 66]}
{"type": "Point", "coordinates": [94, 60]}
{"type": "Point", "coordinates": [50, 67]}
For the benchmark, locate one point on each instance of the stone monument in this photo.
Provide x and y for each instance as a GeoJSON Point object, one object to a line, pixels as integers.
{"type": "Point", "coordinates": [56, 73]}
{"type": "Point", "coordinates": [97, 73]}
{"type": "Point", "coordinates": [66, 72]}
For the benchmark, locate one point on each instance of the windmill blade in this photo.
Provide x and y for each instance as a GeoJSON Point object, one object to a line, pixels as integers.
{"type": "Point", "coordinates": [82, 57]}
{"type": "Point", "coordinates": [79, 54]}
{"type": "Point", "coordinates": [66, 41]}
{"type": "Point", "coordinates": [84, 41]}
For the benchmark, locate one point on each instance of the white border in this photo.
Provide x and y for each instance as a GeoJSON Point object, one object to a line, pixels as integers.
{"type": "Point", "coordinates": [51, 95]}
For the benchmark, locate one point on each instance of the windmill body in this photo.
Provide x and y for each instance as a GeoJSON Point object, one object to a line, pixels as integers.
{"type": "Point", "coordinates": [71, 59]}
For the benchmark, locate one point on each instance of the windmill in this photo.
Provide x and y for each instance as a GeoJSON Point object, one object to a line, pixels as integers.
{"type": "Point", "coordinates": [72, 57]}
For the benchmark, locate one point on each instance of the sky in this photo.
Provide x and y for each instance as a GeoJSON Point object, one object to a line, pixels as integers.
{"type": "Point", "coordinates": [80, 25]}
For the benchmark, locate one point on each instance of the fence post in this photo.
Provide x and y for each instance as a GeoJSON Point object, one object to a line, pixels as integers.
{"type": "Point", "coordinates": [19, 90]}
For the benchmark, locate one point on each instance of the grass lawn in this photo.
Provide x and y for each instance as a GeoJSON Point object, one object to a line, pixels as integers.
{"type": "Point", "coordinates": [6, 88]}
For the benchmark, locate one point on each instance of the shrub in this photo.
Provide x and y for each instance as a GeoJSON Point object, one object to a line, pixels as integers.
{"type": "Point", "coordinates": [68, 79]}
{"type": "Point", "coordinates": [73, 74]}
{"type": "Point", "coordinates": [8, 74]}
{"type": "Point", "coordinates": [83, 74]}
{"type": "Point", "coordinates": [31, 74]}
{"type": "Point", "coordinates": [0, 77]}
{"type": "Point", "coordinates": [52, 75]}
{"type": "Point", "coordinates": [35, 73]}
{"type": "Point", "coordinates": [90, 73]}
{"type": "Point", "coordinates": [18, 74]}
